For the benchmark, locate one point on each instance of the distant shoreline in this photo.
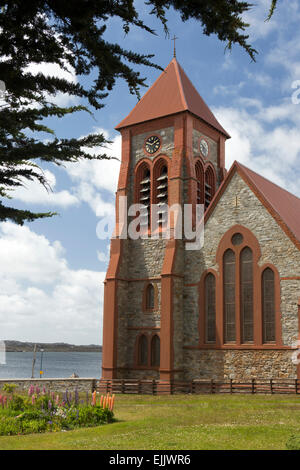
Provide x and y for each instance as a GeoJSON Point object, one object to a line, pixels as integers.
{"type": "Point", "coordinates": [20, 346]}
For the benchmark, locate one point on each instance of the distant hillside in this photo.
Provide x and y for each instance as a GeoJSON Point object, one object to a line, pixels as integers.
{"type": "Point", "coordinates": [19, 346]}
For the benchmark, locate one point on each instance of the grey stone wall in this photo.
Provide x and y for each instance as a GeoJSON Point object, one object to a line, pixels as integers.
{"type": "Point", "coordinates": [238, 364]}
{"type": "Point", "coordinates": [167, 144]}
{"type": "Point", "coordinates": [54, 385]}
{"type": "Point", "coordinates": [276, 248]}
{"type": "Point", "coordinates": [213, 147]}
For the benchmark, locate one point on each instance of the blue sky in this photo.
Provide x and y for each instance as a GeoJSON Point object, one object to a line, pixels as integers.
{"type": "Point", "coordinates": [52, 270]}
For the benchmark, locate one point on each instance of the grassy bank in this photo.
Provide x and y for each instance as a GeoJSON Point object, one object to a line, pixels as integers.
{"type": "Point", "coordinates": [181, 422]}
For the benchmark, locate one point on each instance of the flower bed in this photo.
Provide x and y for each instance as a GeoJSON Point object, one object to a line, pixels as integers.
{"type": "Point", "coordinates": [42, 411]}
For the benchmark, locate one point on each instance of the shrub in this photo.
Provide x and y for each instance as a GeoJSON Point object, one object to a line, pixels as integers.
{"type": "Point", "coordinates": [47, 412]}
{"type": "Point", "coordinates": [9, 388]}
{"type": "Point", "coordinates": [293, 443]}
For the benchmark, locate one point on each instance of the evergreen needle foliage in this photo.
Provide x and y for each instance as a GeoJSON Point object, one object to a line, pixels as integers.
{"type": "Point", "coordinates": [71, 35]}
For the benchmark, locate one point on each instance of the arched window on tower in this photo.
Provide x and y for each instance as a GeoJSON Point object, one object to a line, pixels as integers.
{"type": "Point", "coordinates": [144, 193]}
{"type": "Point", "coordinates": [143, 351]}
{"type": "Point", "coordinates": [229, 296]}
{"type": "Point", "coordinates": [246, 288]}
{"type": "Point", "coordinates": [150, 297]}
{"type": "Point", "coordinates": [210, 308]}
{"type": "Point", "coordinates": [268, 305]}
{"type": "Point", "coordinates": [161, 192]}
{"type": "Point", "coordinates": [199, 170]}
{"type": "Point", "coordinates": [210, 186]}
{"type": "Point", "coordinates": [155, 351]}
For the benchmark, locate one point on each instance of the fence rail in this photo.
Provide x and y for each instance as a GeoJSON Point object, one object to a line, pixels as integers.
{"type": "Point", "coordinates": [155, 387]}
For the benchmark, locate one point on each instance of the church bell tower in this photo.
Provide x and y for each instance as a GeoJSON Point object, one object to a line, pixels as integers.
{"type": "Point", "coordinates": [173, 152]}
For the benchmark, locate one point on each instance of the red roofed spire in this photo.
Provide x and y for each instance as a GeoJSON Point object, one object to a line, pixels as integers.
{"type": "Point", "coordinates": [171, 93]}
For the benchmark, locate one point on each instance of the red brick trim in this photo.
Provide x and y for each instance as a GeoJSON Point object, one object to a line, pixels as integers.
{"type": "Point", "coordinates": [291, 278]}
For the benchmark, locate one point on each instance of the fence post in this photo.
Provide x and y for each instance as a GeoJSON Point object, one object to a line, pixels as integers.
{"type": "Point", "coordinates": [231, 389]}
{"type": "Point", "coordinates": [153, 387]}
{"type": "Point", "coordinates": [212, 390]}
{"type": "Point", "coordinates": [107, 386]}
{"type": "Point", "coordinates": [253, 386]}
{"type": "Point", "coordinates": [94, 384]}
{"type": "Point", "coordinates": [296, 386]}
{"type": "Point", "coordinates": [123, 386]}
{"type": "Point", "coordinates": [271, 386]}
{"type": "Point", "coordinates": [139, 387]}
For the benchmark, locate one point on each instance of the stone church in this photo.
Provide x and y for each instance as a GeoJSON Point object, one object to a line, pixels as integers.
{"type": "Point", "coordinates": [228, 310]}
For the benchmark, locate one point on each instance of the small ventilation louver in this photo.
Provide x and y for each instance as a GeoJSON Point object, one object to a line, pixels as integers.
{"type": "Point", "coordinates": [162, 195]}
{"type": "Point", "coordinates": [145, 199]}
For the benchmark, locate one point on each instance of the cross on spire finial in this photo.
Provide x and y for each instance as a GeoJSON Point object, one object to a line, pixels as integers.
{"type": "Point", "coordinates": [174, 39]}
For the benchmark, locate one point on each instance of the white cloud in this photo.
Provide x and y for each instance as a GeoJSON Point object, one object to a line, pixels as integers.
{"type": "Point", "coordinates": [41, 298]}
{"type": "Point", "coordinates": [95, 181]}
{"type": "Point", "coordinates": [54, 70]}
{"type": "Point", "coordinates": [34, 192]}
{"type": "Point", "coordinates": [273, 151]}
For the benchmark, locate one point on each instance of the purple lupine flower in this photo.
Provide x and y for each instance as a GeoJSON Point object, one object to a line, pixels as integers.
{"type": "Point", "coordinates": [49, 405]}
{"type": "Point", "coordinates": [37, 390]}
{"type": "Point", "coordinates": [31, 390]}
{"type": "Point", "coordinates": [44, 391]}
{"type": "Point", "coordinates": [70, 397]}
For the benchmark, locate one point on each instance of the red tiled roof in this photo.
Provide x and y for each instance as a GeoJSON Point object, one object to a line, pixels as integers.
{"type": "Point", "coordinates": [282, 205]}
{"type": "Point", "coordinates": [171, 93]}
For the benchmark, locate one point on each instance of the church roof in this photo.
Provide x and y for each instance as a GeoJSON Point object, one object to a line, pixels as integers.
{"type": "Point", "coordinates": [171, 93]}
{"type": "Point", "coordinates": [282, 205]}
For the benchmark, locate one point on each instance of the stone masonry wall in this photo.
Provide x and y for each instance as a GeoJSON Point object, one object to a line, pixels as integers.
{"type": "Point", "coordinates": [276, 248]}
{"type": "Point", "coordinates": [54, 385]}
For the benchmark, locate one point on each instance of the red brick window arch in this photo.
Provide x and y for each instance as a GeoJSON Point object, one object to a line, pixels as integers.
{"type": "Point", "coordinates": [209, 185]}
{"type": "Point", "coordinates": [143, 350]}
{"type": "Point", "coordinates": [247, 296]}
{"type": "Point", "coordinates": [155, 351]}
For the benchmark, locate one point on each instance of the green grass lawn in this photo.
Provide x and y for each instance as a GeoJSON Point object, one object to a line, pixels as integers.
{"type": "Point", "coordinates": [181, 422]}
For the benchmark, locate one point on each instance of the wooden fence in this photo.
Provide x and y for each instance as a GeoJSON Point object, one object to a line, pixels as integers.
{"type": "Point", "coordinates": [155, 387]}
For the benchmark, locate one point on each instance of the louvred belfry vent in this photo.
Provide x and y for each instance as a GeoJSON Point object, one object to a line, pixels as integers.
{"type": "Point", "coordinates": [145, 191]}
{"type": "Point", "coordinates": [162, 195]}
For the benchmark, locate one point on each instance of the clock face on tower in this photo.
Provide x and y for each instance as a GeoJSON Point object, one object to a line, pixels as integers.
{"type": "Point", "coordinates": [152, 144]}
{"type": "Point", "coordinates": [203, 147]}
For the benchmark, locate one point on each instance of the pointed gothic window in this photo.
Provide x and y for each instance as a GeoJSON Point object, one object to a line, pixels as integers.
{"type": "Point", "coordinates": [268, 305]}
{"type": "Point", "coordinates": [229, 295]}
{"type": "Point", "coordinates": [210, 186]}
{"type": "Point", "coordinates": [210, 308]}
{"type": "Point", "coordinates": [150, 297]}
{"type": "Point", "coordinates": [246, 289]}
{"type": "Point", "coordinates": [143, 351]}
{"type": "Point", "coordinates": [155, 351]}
